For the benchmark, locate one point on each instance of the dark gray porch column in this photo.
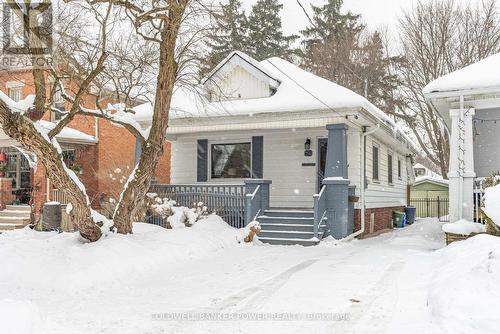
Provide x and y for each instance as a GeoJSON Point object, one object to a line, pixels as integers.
{"type": "Point", "coordinates": [336, 181]}
{"type": "Point", "coordinates": [336, 156]}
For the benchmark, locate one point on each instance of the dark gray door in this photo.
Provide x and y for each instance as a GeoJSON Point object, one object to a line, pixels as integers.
{"type": "Point", "coordinates": [322, 149]}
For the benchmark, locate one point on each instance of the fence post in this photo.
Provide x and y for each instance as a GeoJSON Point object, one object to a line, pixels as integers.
{"type": "Point", "coordinates": [427, 204]}
{"type": "Point", "coordinates": [439, 209]}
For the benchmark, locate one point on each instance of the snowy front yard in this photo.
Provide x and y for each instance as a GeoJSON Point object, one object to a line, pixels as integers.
{"type": "Point", "coordinates": [396, 283]}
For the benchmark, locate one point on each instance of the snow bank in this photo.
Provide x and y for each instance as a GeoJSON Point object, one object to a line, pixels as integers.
{"type": "Point", "coordinates": [463, 227]}
{"type": "Point", "coordinates": [464, 295]}
{"type": "Point", "coordinates": [47, 260]}
{"type": "Point", "coordinates": [492, 203]}
{"type": "Point", "coordinates": [19, 317]}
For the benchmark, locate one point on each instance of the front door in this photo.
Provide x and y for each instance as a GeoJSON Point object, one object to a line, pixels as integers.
{"type": "Point", "coordinates": [322, 149]}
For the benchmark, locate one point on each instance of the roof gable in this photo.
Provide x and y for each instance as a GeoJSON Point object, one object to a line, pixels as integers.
{"type": "Point", "coordinates": [244, 61]}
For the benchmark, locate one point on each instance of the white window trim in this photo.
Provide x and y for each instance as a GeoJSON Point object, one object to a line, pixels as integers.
{"type": "Point", "coordinates": [14, 84]}
{"type": "Point", "coordinates": [222, 142]}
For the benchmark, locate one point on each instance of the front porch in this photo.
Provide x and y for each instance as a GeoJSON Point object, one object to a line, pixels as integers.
{"type": "Point", "coordinates": [251, 199]}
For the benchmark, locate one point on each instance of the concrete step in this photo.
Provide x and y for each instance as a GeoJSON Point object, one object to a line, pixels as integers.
{"type": "Point", "coordinates": [289, 213]}
{"type": "Point", "coordinates": [290, 227]}
{"type": "Point", "coordinates": [289, 241]}
{"type": "Point", "coordinates": [18, 207]}
{"type": "Point", "coordinates": [15, 213]}
{"type": "Point", "coordinates": [285, 220]}
{"type": "Point", "coordinates": [14, 220]}
{"type": "Point", "coordinates": [11, 226]}
{"type": "Point", "coordinates": [288, 234]}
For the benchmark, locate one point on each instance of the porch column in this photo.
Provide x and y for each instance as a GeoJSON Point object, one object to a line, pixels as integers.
{"type": "Point", "coordinates": [336, 181]}
{"type": "Point", "coordinates": [336, 155]}
{"type": "Point", "coordinates": [461, 167]}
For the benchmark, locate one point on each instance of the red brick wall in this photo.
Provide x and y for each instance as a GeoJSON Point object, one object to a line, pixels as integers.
{"type": "Point", "coordinates": [6, 196]}
{"type": "Point", "coordinates": [382, 220]}
{"type": "Point", "coordinates": [100, 163]}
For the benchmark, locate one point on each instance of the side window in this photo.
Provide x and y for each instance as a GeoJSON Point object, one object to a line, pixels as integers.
{"type": "Point", "coordinates": [16, 93]}
{"type": "Point", "coordinates": [389, 168]}
{"type": "Point", "coordinates": [399, 169]}
{"type": "Point", "coordinates": [375, 162]}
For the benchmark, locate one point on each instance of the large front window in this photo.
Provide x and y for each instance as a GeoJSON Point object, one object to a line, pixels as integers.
{"type": "Point", "coordinates": [231, 161]}
{"type": "Point", "coordinates": [18, 169]}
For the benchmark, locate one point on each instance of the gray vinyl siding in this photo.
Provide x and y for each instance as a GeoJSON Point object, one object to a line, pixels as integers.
{"type": "Point", "coordinates": [486, 142]}
{"type": "Point", "coordinates": [293, 184]}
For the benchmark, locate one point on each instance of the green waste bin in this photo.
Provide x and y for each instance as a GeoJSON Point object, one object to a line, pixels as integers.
{"type": "Point", "coordinates": [398, 219]}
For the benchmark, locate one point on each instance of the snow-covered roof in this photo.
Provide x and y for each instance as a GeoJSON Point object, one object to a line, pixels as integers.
{"type": "Point", "coordinates": [68, 134]}
{"type": "Point", "coordinates": [298, 90]}
{"type": "Point", "coordinates": [431, 179]}
{"type": "Point", "coordinates": [481, 75]}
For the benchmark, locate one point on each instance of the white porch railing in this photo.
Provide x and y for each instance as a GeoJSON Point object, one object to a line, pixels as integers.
{"type": "Point", "coordinates": [57, 195]}
{"type": "Point", "coordinates": [478, 199]}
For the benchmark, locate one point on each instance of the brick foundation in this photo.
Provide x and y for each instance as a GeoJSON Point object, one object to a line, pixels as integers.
{"type": "Point", "coordinates": [6, 196]}
{"type": "Point", "coordinates": [382, 220]}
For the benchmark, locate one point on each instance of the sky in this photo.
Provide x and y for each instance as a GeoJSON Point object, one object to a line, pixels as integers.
{"type": "Point", "coordinates": [375, 13]}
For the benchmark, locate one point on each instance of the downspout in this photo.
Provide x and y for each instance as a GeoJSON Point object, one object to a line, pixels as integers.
{"type": "Point", "coordinates": [363, 136]}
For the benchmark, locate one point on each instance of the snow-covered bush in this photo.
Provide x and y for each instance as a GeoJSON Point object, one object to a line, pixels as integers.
{"type": "Point", "coordinates": [176, 216]}
{"type": "Point", "coordinates": [491, 204]}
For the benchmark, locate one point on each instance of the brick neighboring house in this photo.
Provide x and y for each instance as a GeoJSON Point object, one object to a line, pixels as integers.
{"type": "Point", "coordinates": [103, 153]}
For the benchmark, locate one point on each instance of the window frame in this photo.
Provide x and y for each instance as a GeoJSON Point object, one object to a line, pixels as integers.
{"type": "Point", "coordinates": [18, 171]}
{"type": "Point", "coordinates": [390, 168]}
{"type": "Point", "coordinates": [73, 151]}
{"type": "Point", "coordinates": [18, 89]}
{"type": "Point", "coordinates": [375, 146]}
{"type": "Point", "coordinates": [400, 169]}
{"type": "Point", "coordinates": [210, 161]}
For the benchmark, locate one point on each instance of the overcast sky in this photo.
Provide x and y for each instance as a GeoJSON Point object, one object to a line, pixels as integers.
{"type": "Point", "coordinates": [376, 13]}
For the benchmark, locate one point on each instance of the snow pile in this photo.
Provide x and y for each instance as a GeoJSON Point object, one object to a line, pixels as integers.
{"type": "Point", "coordinates": [19, 317]}
{"type": "Point", "coordinates": [463, 227]}
{"type": "Point", "coordinates": [464, 295]}
{"type": "Point", "coordinates": [492, 203]}
{"type": "Point", "coordinates": [48, 260]}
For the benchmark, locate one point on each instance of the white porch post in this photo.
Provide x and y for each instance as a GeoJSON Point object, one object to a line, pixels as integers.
{"type": "Point", "coordinates": [461, 171]}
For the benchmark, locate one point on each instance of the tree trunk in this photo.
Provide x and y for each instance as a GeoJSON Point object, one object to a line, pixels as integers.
{"type": "Point", "coordinates": [21, 129]}
{"type": "Point", "coordinates": [135, 191]}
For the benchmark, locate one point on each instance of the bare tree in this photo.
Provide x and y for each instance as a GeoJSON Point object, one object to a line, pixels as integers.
{"type": "Point", "coordinates": [439, 37]}
{"type": "Point", "coordinates": [98, 63]}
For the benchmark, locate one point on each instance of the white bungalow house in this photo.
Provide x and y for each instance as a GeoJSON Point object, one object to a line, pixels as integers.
{"type": "Point", "coordinates": [468, 101]}
{"type": "Point", "coordinates": [296, 144]}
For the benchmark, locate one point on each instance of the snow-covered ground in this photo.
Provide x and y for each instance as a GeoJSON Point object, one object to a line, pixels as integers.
{"type": "Point", "coordinates": [399, 282]}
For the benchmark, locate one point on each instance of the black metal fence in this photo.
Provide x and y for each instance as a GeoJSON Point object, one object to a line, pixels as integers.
{"type": "Point", "coordinates": [432, 207]}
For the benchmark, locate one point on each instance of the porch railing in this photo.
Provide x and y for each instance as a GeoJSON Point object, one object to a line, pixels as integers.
{"type": "Point", "coordinates": [478, 193]}
{"type": "Point", "coordinates": [319, 210]}
{"type": "Point", "coordinates": [57, 195]}
{"type": "Point", "coordinates": [237, 204]}
{"type": "Point", "coordinates": [252, 203]}
{"type": "Point", "coordinates": [226, 200]}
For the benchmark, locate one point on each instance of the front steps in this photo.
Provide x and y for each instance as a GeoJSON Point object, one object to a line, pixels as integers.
{"type": "Point", "coordinates": [15, 216]}
{"type": "Point", "coordinates": [289, 227]}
